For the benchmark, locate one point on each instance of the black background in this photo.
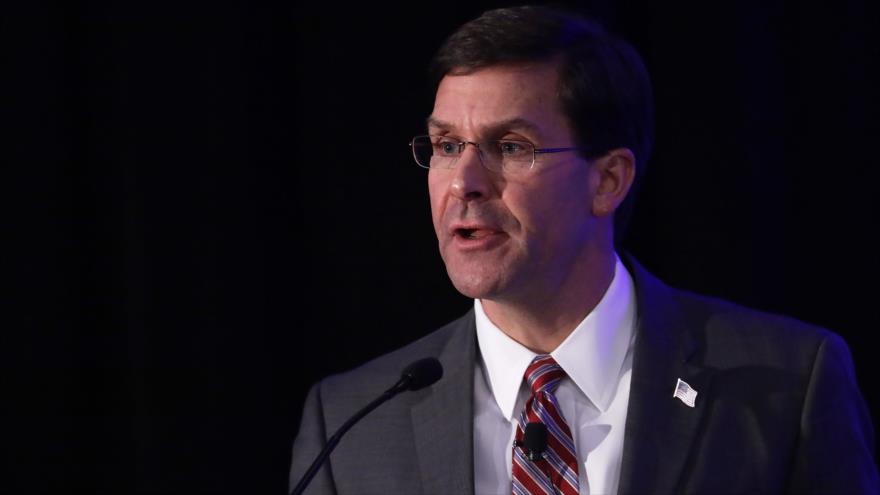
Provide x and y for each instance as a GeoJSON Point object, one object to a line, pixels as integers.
{"type": "Point", "coordinates": [191, 238]}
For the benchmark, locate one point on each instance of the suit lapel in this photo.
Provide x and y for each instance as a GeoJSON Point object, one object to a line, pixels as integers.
{"type": "Point", "coordinates": [660, 429]}
{"type": "Point", "coordinates": [443, 420]}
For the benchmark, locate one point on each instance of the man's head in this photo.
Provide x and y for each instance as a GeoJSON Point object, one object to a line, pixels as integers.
{"type": "Point", "coordinates": [533, 78]}
{"type": "Point", "coordinates": [603, 86]}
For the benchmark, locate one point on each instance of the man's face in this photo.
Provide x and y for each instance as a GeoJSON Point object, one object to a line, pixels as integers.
{"type": "Point", "coordinates": [502, 237]}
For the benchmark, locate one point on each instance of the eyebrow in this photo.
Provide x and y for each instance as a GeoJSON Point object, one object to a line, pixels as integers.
{"type": "Point", "coordinates": [516, 123]}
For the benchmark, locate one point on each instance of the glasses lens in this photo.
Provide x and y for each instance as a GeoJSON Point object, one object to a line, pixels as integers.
{"type": "Point", "coordinates": [512, 156]}
{"type": "Point", "coordinates": [435, 151]}
{"type": "Point", "coordinates": [422, 150]}
{"type": "Point", "coordinates": [516, 152]}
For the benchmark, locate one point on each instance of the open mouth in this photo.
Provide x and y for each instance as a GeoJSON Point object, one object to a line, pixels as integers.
{"type": "Point", "coordinates": [473, 233]}
{"type": "Point", "coordinates": [466, 233]}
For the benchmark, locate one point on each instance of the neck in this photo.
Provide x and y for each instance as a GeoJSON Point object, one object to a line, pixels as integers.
{"type": "Point", "coordinates": [542, 323]}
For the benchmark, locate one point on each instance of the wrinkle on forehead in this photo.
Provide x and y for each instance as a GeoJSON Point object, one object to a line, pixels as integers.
{"type": "Point", "coordinates": [512, 124]}
{"type": "Point", "coordinates": [498, 99]}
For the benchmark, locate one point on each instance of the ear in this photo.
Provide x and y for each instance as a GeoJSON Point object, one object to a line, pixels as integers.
{"type": "Point", "coordinates": [616, 171]}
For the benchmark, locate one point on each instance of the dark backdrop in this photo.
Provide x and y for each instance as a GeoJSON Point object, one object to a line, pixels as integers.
{"type": "Point", "coordinates": [192, 238]}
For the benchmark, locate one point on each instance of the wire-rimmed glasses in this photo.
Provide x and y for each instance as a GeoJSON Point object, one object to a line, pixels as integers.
{"type": "Point", "coordinates": [503, 155]}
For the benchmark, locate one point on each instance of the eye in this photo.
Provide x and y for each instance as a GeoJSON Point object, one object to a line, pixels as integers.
{"type": "Point", "coordinates": [446, 147]}
{"type": "Point", "coordinates": [514, 149]}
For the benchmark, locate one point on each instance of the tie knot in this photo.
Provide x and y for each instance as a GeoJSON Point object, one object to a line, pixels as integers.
{"type": "Point", "coordinates": [544, 374]}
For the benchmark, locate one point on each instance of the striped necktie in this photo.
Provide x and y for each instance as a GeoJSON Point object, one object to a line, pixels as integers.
{"type": "Point", "coordinates": [557, 472]}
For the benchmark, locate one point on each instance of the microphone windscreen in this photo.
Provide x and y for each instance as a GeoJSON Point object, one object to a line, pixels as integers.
{"type": "Point", "coordinates": [535, 438]}
{"type": "Point", "coordinates": [422, 373]}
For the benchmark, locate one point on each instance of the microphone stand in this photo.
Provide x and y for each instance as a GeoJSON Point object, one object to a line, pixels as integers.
{"type": "Point", "coordinates": [417, 375]}
{"type": "Point", "coordinates": [331, 443]}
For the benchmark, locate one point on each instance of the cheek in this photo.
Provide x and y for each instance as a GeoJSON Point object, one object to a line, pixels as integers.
{"type": "Point", "coordinates": [437, 195]}
{"type": "Point", "coordinates": [554, 208]}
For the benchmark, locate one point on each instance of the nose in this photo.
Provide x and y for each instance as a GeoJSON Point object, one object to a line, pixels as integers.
{"type": "Point", "coordinates": [472, 181]}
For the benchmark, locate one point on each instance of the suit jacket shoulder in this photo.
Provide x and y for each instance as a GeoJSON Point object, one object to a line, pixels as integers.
{"type": "Point", "coordinates": [728, 336]}
{"type": "Point", "coordinates": [377, 375]}
{"type": "Point", "coordinates": [411, 444]}
{"type": "Point", "coordinates": [777, 410]}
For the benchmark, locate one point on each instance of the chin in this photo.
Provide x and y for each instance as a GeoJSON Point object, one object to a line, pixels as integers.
{"type": "Point", "coordinates": [474, 285]}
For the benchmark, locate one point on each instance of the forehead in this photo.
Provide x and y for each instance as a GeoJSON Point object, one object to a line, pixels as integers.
{"type": "Point", "coordinates": [495, 98]}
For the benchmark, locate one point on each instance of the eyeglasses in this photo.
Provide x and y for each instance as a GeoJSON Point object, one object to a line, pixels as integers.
{"type": "Point", "coordinates": [504, 155]}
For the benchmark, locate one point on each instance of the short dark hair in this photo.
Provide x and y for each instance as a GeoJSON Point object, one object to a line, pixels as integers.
{"type": "Point", "coordinates": [604, 88]}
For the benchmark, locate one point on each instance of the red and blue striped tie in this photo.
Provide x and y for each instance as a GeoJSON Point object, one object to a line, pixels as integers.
{"type": "Point", "coordinates": [557, 471]}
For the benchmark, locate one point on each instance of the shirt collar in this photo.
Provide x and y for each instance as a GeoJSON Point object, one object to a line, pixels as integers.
{"type": "Point", "coordinates": [592, 355]}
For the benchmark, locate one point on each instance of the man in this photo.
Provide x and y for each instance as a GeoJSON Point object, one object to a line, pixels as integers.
{"type": "Point", "coordinates": [540, 128]}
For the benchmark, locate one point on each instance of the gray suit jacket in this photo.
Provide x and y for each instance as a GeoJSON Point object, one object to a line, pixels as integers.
{"type": "Point", "coordinates": [778, 410]}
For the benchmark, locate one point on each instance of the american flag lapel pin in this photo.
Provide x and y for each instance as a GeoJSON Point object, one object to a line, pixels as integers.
{"type": "Point", "coordinates": [685, 393]}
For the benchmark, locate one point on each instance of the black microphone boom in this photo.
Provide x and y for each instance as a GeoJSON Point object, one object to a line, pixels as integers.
{"type": "Point", "coordinates": [417, 375]}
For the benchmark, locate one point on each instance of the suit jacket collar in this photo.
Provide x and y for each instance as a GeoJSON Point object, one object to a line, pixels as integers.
{"type": "Point", "coordinates": [660, 428]}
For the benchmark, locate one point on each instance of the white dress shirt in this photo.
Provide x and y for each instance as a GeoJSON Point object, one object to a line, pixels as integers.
{"type": "Point", "coordinates": [597, 357]}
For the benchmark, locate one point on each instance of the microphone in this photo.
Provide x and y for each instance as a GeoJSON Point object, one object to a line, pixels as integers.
{"type": "Point", "coordinates": [534, 441]}
{"type": "Point", "coordinates": [416, 376]}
